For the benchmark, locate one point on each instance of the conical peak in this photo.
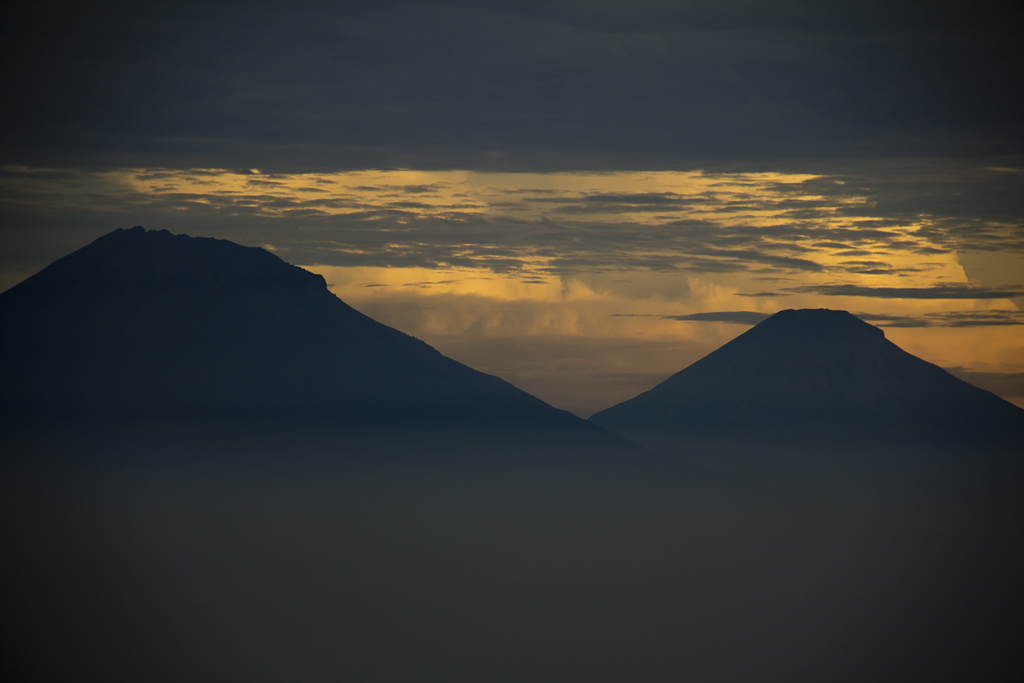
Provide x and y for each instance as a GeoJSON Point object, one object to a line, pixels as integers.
{"type": "Point", "coordinates": [793, 339]}
{"type": "Point", "coordinates": [808, 369]}
{"type": "Point", "coordinates": [820, 315]}
{"type": "Point", "coordinates": [818, 321]}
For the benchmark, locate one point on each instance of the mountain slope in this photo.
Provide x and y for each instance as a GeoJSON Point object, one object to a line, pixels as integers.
{"type": "Point", "coordinates": [820, 405]}
{"type": "Point", "coordinates": [149, 323]}
{"type": "Point", "coordinates": [814, 373]}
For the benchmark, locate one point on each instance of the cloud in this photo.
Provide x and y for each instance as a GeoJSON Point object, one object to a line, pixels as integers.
{"type": "Point", "coordinates": [606, 203]}
{"type": "Point", "coordinates": [738, 317]}
{"type": "Point", "coordinates": [951, 291]}
{"type": "Point", "coordinates": [947, 319]}
{"type": "Point", "coordinates": [990, 318]}
{"type": "Point", "coordinates": [470, 220]}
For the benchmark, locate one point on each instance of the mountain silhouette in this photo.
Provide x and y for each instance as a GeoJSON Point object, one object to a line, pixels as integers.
{"type": "Point", "coordinates": [821, 402]}
{"type": "Point", "coordinates": [814, 371]}
{"type": "Point", "coordinates": [147, 323]}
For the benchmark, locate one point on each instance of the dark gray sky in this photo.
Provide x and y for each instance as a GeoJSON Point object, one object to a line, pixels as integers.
{"type": "Point", "coordinates": [509, 85]}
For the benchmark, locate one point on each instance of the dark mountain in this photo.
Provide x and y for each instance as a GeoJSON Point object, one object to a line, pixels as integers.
{"type": "Point", "coordinates": [821, 399]}
{"type": "Point", "coordinates": [141, 324]}
{"type": "Point", "coordinates": [814, 371]}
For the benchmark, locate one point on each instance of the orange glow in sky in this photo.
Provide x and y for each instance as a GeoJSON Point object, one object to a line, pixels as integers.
{"type": "Point", "coordinates": [571, 285]}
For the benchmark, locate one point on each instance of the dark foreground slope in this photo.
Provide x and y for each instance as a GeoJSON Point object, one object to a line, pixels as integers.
{"type": "Point", "coordinates": [215, 470]}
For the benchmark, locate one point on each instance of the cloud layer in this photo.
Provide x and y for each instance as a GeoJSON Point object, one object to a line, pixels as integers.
{"type": "Point", "coordinates": [835, 235]}
{"type": "Point", "coordinates": [528, 86]}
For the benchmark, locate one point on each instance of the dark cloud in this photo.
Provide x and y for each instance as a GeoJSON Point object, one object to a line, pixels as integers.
{"type": "Point", "coordinates": [997, 318]}
{"type": "Point", "coordinates": [506, 85]}
{"type": "Point", "coordinates": [739, 317]}
{"type": "Point", "coordinates": [961, 318]}
{"type": "Point", "coordinates": [942, 319]}
{"type": "Point", "coordinates": [953, 291]}
{"type": "Point", "coordinates": [736, 317]}
{"type": "Point", "coordinates": [642, 199]}
{"type": "Point", "coordinates": [651, 202]}
{"type": "Point", "coordinates": [841, 17]}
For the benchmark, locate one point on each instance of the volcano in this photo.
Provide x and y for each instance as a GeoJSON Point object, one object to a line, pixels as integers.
{"type": "Point", "coordinates": [814, 371]}
{"type": "Point", "coordinates": [146, 323]}
{"type": "Point", "coordinates": [810, 392]}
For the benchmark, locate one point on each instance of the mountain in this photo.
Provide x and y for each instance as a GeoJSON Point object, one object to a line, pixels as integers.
{"type": "Point", "coordinates": [819, 371]}
{"type": "Point", "coordinates": [815, 396]}
{"type": "Point", "coordinates": [145, 323]}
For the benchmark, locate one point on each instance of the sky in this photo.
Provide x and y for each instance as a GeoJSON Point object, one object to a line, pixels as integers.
{"type": "Point", "coordinates": [579, 197]}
